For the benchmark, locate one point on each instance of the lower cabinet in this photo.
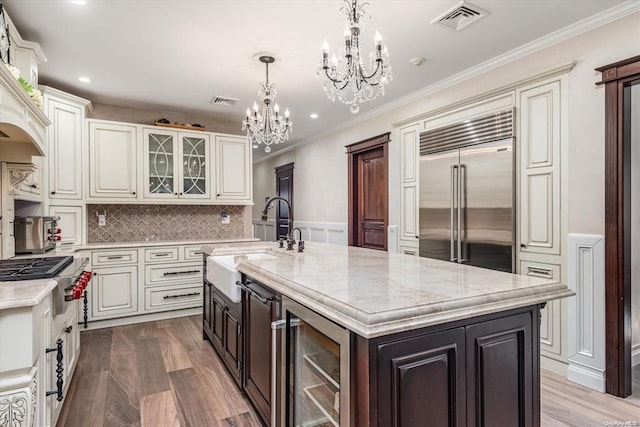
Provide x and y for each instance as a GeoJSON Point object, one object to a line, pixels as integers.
{"type": "Point", "coordinates": [222, 325]}
{"type": "Point", "coordinates": [480, 371]}
{"type": "Point", "coordinates": [114, 292]}
{"type": "Point", "coordinates": [259, 307]}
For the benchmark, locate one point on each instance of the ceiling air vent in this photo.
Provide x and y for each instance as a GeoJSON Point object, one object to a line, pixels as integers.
{"type": "Point", "coordinates": [462, 14]}
{"type": "Point", "coordinates": [223, 100]}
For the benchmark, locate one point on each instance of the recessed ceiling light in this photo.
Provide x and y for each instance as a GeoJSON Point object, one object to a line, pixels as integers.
{"type": "Point", "coordinates": [313, 115]}
{"type": "Point", "coordinates": [84, 79]}
{"type": "Point", "coordinates": [255, 146]}
{"type": "Point", "coordinates": [79, 2]}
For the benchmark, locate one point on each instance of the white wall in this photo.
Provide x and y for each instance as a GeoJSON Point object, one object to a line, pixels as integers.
{"type": "Point", "coordinates": [320, 188]}
{"type": "Point", "coordinates": [264, 181]}
{"type": "Point", "coordinates": [635, 222]}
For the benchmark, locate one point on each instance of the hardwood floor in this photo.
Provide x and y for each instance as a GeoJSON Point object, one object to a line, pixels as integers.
{"type": "Point", "coordinates": [153, 374]}
{"type": "Point", "coordinates": [162, 373]}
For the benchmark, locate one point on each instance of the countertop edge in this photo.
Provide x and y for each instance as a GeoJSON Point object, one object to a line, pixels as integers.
{"type": "Point", "coordinates": [406, 319]}
{"type": "Point", "coordinates": [28, 301]}
{"type": "Point", "coordinates": [117, 245]}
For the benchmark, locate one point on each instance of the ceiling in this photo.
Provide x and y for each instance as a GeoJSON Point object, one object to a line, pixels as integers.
{"type": "Point", "coordinates": [177, 55]}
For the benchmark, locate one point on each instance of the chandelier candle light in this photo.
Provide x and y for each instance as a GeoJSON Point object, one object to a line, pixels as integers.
{"type": "Point", "coordinates": [268, 127]}
{"type": "Point", "coordinates": [347, 77]}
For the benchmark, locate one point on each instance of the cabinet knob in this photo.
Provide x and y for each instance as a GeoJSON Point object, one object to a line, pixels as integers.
{"type": "Point", "coordinates": [34, 185]}
{"type": "Point", "coordinates": [133, 192]}
{"type": "Point", "coordinates": [175, 194]}
{"type": "Point", "coordinates": [53, 192]}
{"type": "Point", "coordinates": [68, 329]}
{"type": "Point", "coordinates": [218, 195]}
{"type": "Point", "coordinates": [181, 194]}
{"type": "Point", "coordinates": [522, 245]}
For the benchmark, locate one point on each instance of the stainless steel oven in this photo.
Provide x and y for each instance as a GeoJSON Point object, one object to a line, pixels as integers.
{"type": "Point", "coordinates": [36, 234]}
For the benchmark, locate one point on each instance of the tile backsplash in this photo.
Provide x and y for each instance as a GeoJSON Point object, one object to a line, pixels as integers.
{"type": "Point", "coordinates": [135, 223]}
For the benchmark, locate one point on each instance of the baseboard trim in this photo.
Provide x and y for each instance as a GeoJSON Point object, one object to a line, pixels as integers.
{"type": "Point", "coordinates": [553, 365]}
{"type": "Point", "coordinates": [635, 355]}
{"type": "Point", "coordinates": [109, 323]}
{"type": "Point", "coordinates": [586, 377]}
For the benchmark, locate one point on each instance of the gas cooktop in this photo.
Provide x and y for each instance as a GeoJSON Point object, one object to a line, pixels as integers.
{"type": "Point", "coordinates": [33, 268]}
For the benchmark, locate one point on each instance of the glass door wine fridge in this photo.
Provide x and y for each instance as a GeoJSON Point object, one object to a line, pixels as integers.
{"type": "Point", "coordinates": [315, 372]}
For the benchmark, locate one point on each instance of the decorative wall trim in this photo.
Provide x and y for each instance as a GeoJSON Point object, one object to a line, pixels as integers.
{"type": "Point", "coordinates": [586, 324]}
{"type": "Point", "coordinates": [18, 172]}
{"type": "Point", "coordinates": [324, 232]}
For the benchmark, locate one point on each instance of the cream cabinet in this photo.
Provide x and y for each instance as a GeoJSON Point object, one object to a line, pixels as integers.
{"type": "Point", "coordinates": [409, 202]}
{"type": "Point", "coordinates": [65, 143]}
{"type": "Point", "coordinates": [114, 292]}
{"type": "Point", "coordinates": [31, 188]}
{"type": "Point", "coordinates": [71, 224]}
{"type": "Point", "coordinates": [233, 160]}
{"type": "Point", "coordinates": [539, 136]}
{"type": "Point", "coordinates": [113, 161]}
{"type": "Point", "coordinates": [176, 164]}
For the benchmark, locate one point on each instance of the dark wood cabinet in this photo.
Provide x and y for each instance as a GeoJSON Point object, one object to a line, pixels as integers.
{"type": "Point", "coordinates": [221, 325]}
{"type": "Point", "coordinates": [259, 310]}
{"type": "Point", "coordinates": [482, 371]}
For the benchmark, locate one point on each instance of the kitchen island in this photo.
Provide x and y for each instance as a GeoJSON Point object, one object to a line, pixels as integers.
{"type": "Point", "coordinates": [427, 341]}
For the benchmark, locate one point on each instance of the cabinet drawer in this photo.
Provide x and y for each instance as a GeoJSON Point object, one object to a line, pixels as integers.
{"type": "Point", "coordinates": [163, 274]}
{"type": "Point", "coordinates": [154, 255]}
{"type": "Point", "coordinates": [114, 257]}
{"type": "Point", "coordinates": [193, 253]}
{"type": "Point", "coordinates": [538, 269]}
{"type": "Point", "coordinates": [172, 297]}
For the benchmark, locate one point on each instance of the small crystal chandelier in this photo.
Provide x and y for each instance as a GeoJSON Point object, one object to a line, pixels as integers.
{"type": "Point", "coordinates": [268, 127]}
{"type": "Point", "coordinates": [348, 79]}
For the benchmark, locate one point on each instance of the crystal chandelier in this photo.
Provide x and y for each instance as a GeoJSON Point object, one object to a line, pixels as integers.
{"type": "Point", "coordinates": [347, 76]}
{"type": "Point", "coordinates": [268, 127]}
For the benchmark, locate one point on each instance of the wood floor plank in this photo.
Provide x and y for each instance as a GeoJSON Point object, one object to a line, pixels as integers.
{"type": "Point", "coordinates": [152, 376]}
{"type": "Point", "coordinates": [193, 402]}
{"type": "Point", "coordinates": [95, 355]}
{"type": "Point", "coordinates": [88, 408]}
{"type": "Point", "coordinates": [123, 398]}
{"type": "Point", "coordinates": [174, 354]}
{"type": "Point", "coordinates": [218, 385]}
{"type": "Point", "coordinates": [159, 410]}
{"type": "Point", "coordinates": [241, 420]}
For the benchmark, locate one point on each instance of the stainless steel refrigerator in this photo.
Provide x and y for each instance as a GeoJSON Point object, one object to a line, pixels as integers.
{"type": "Point", "coordinates": [467, 193]}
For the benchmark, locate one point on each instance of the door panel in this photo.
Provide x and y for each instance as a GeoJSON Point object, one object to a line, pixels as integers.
{"type": "Point", "coordinates": [372, 200]}
{"type": "Point", "coordinates": [284, 189]}
{"type": "Point", "coordinates": [438, 205]}
{"type": "Point", "coordinates": [486, 205]}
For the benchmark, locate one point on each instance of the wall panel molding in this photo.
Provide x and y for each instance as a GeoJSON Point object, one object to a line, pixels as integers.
{"type": "Point", "coordinates": [324, 232]}
{"type": "Point", "coordinates": [586, 311]}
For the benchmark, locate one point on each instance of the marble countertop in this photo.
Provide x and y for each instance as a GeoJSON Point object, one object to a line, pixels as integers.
{"type": "Point", "coordinates": [25, 293]}
{"type": "Point", "coordinates": [375, 293]}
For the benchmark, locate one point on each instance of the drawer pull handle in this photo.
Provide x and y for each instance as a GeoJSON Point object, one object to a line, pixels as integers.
{"type": "Point", "coordinates": [115, 257]}
{"type": "Point", "coordinates": [162, 254]}
{"type": "Point", "coordinates": [256, 295]}
{"type": "Point", "coordinates": [59, 370]}
{"type": "Point", "coordinates": [192, 294]}
{"type": "Point", "coordinates": [533, 271]}
{"type": "Point", "coordinates": [197, 253]}
{"type": "Point", "coordinates": [176, 273]}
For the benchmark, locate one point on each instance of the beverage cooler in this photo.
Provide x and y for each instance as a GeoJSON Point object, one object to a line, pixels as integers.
{"type": "Point", "coordinates": [315, 374]}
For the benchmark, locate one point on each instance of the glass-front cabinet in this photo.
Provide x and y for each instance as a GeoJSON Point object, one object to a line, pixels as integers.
{"type": "Point", "coordinates": [176, 164]}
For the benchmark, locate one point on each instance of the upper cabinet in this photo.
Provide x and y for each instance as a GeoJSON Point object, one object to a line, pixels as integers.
{"type": "Point", "coordinates": [176, 164]}
{"type": "Point", "coordinates": [233, 160]}
{"type": "Point", "coordinates": [112, 160]}
{"type": "Point", "coordinates": [65, 138]}
{"type": "Point", "coordinates": [539, 127]}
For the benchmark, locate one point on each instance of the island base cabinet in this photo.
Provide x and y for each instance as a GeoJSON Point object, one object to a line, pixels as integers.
{"type": "Point", "coordinates": [482, 371]}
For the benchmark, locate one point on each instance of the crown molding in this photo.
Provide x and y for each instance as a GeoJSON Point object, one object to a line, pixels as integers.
{"type": "Point", "coordinates": [591, 23]}
{"type": "Point", "coordinates": [22, 43]}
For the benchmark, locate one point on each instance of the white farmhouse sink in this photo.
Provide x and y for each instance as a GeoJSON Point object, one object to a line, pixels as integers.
{"type": "Point", "coordinates": [221, 271]}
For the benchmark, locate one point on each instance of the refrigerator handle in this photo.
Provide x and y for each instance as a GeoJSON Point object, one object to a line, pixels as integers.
{"type": "Point", "coordinates": [451, 228]}
{"type": "Point", "coordinates": [461, 188]}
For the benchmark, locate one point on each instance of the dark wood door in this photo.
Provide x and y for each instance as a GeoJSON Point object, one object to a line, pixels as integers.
{"type": "Point", "coordinates": [368, 192]}
{"type": "Point", "coordinates": [259, 312]}
{"type": "Point", "coordinates": [500, 374]}
{"type": "Point", "coordinates": [372, 200]}
{"type": "Point", "coordinates": [422, 380]}
{"type": "Point", "coordinates": [284, 189]}
{"type": "Point", "coordinates": [217, 318]}
{"type": "Point", "coordinates": [207, 306]}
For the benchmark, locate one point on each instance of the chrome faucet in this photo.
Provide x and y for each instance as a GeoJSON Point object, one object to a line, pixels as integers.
{"type": "Point", "coordinates": [290, 241]}
{"type": "Point", "coordinates": [300, 241]}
